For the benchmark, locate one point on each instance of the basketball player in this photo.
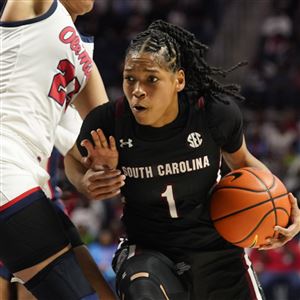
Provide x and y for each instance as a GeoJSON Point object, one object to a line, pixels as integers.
{"type": "Point", "coordinates": [44, 68]}
{"type": "Point", "coordinates": [65, 137]}
{"type": "Point", "coordinates": [168, 135]}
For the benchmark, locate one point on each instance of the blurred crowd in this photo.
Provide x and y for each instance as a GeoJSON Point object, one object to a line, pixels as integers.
{"type": "Point", "coordinates": [279, 271]}
{"type": "Point", "coordinates": [274, 77]}
{"type": "Point", "coordinates": [272, 90]}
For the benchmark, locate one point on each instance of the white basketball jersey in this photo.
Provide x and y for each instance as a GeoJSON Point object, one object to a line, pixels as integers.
{"type": "Point", "coordinates": [65, 137]}
{"type": "Point", "coordinates": [43, 66]}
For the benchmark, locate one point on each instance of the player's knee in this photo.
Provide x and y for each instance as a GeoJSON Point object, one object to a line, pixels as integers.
{"type": "Point", "coordinates": [61, 279]}
{"type": "Point", "coordinates": [149, 276]}
{"type": "Point", "coordinates": [142, 286]}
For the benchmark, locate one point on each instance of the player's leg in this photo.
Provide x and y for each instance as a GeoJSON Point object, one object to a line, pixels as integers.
{"type": "Point", "coordinates": [85, 260]}
{"type": "Point", "coordinates": [37, 250]}
{"type": "Point", "coordinates": [8, 289]}
{"type": "Point", "coordinates": [23, 293]}
{"type": "Point", "coordinates": [4, 288]}
{"type": "Point", "coordinates": [93, 273]}
{"type": "Point", "coordinates": [146, 275]}
{"type": "Point", "coordinates": [90, 271]}
{"type": "Point", "coordinates": [4, 282]}
{"type": "Point", "coordinates": [224, 274]}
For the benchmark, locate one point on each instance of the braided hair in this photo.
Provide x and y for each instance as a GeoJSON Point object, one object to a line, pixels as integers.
{"type": "Point", "coordinates": [181, 50]}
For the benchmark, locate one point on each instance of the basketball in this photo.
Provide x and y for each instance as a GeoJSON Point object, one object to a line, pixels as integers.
{"type": "Point", "coordinates": [246, 205]}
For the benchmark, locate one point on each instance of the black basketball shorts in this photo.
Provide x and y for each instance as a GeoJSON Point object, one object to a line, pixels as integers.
{"type": "Point", "coordinates": [31, 231]}
{"type": "Point", "coordinates": [221, 274]}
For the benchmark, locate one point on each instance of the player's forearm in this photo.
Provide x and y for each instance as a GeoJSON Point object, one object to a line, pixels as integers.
{"type": "Point", "coordinates": [74, 171]}
{"type": "Point", "coordinates": [253, 162]}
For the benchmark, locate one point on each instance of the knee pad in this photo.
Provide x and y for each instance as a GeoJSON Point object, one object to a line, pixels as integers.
{"type": "Point", "coordinates": [149, 276]}
{"type": "Point", "coordinates": [61, 279]}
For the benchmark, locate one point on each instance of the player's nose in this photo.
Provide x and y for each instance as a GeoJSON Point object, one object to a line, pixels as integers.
{"type": "Point", "coordinates": [138, 91]}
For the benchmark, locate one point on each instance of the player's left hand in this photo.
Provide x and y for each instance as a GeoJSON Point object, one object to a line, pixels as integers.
{"type": "Point", "coordinates": [285, 234]}
{"type": "Point", "coordinates": [103, 155]}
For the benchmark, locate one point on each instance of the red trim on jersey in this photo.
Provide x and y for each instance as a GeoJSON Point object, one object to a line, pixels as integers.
{"type": "Point", "coordinates": [19, 198]}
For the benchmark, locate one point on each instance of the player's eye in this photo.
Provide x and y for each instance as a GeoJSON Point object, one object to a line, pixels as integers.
{"type": "Point", "coordinates": [129, 78]}
{"type": "Point", "coordinates": [152, 79]}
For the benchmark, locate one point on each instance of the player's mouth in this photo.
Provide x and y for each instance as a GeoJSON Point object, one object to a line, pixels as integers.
{"type": "Point", "coordinates": [138, 108]}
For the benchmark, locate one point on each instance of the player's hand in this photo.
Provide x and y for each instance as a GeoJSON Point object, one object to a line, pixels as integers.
{"type": "Point", "coordinates": [285, 234]}
{"type": "Point", "coordinates": [102, 184]}
{"type": "Point", "coordinates": [103, 155]}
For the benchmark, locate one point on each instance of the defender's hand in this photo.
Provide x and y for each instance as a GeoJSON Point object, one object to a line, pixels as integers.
{"type": "Point", "coordinates": [100, 185]}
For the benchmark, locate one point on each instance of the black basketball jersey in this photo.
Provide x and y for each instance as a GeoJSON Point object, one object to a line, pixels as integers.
{"type": "Point", "coordinates": [170, 170]}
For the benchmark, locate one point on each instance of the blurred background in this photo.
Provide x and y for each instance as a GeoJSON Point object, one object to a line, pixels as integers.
{"type": "Point", "coordinates": [266, 33]}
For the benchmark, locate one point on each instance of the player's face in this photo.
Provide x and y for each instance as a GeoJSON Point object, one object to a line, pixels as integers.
{"type": "Point", "coordinates": [151, 90]}
{"type": "Point", "coordinates": [78, 7]}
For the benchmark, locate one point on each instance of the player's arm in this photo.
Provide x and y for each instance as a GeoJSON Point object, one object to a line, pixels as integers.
{"type": "Point", "coordinates": [19, 10]}
{"type": "Point", "coordinates": [92, 95]}
{"type": "Point", "coordinates": [242, 158]}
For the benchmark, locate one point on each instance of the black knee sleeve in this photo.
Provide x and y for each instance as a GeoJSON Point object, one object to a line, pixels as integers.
{"type": "Point", "coordinates": [149, 275]}
{"type": "Point", "coordinates": [62, 279]}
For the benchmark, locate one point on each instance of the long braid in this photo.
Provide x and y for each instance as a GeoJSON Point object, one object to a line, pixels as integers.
{"type": "Point", "coordinates": [181, 49]}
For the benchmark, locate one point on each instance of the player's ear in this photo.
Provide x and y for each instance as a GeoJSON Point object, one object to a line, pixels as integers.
{"type": "Point", "coordinates": [180, 80]}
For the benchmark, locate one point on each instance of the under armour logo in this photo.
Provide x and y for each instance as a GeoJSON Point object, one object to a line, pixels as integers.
{"type": "Point", "coordinates": [127, 143]}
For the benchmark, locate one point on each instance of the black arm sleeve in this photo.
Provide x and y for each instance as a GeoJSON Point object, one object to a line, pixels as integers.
{"type": "Point", "coordinates": [100, 117]}
{"type": "Point", "coordinates": [226, 125]}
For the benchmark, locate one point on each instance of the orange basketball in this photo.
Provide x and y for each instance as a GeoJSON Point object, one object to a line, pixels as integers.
{"type": "Point", "coordinates": [246, 205]}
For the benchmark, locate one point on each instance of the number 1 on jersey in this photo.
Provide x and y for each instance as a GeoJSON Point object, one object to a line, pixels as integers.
{"type": "Point", "coordinates": [168, 193]}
